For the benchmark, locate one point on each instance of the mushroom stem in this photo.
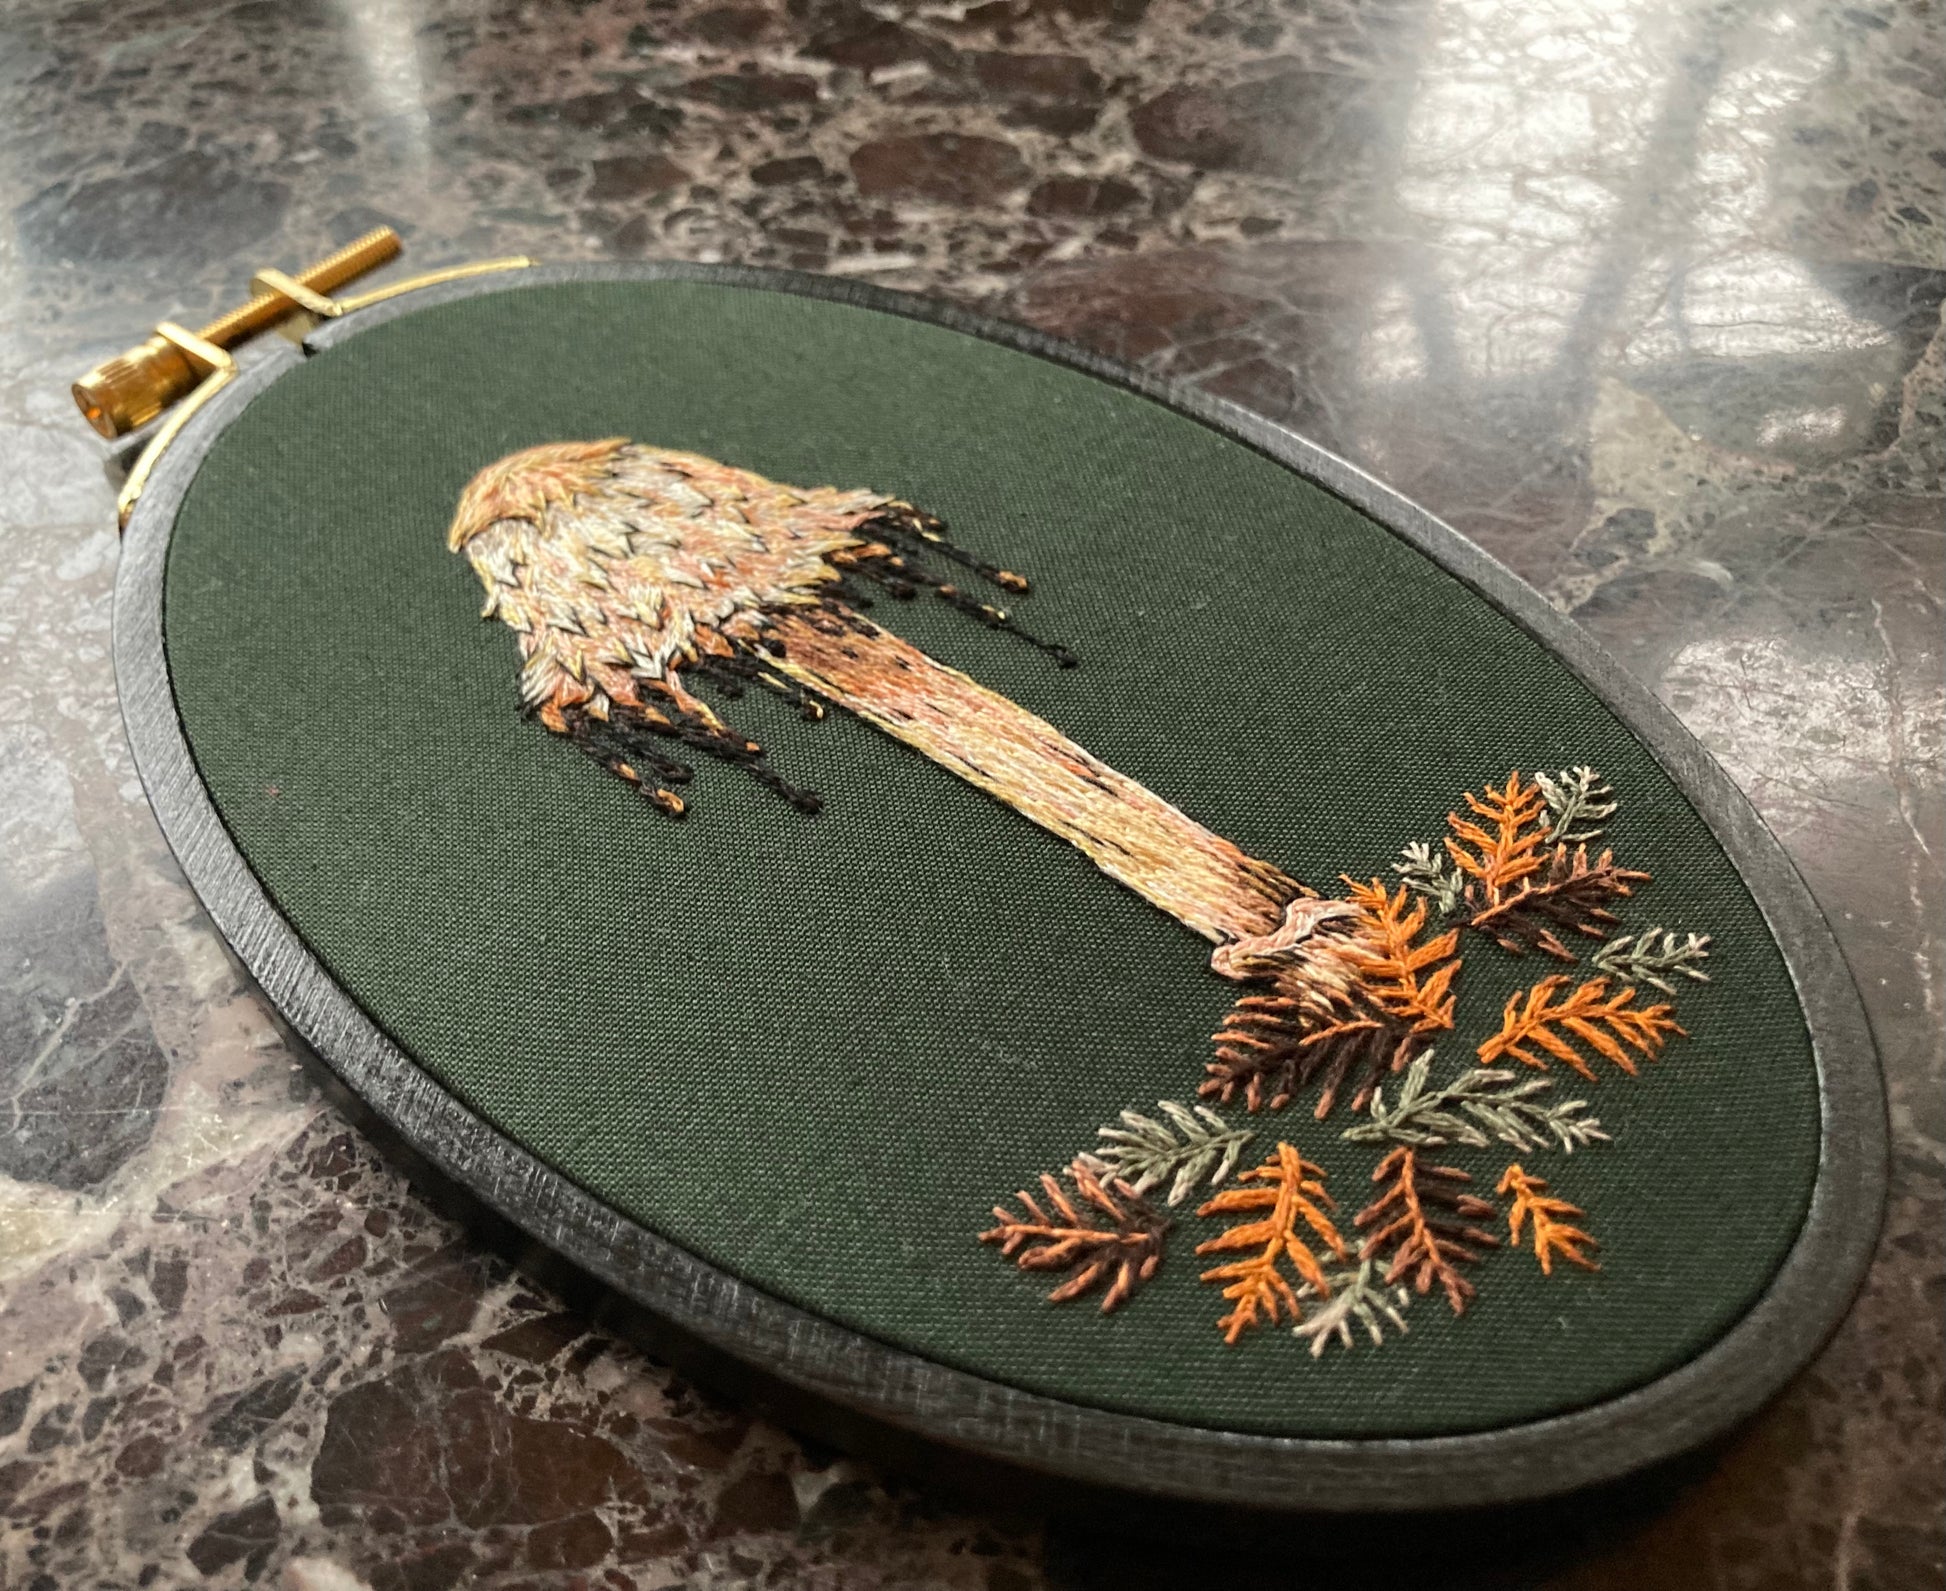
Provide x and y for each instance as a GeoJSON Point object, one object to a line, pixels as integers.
{"type": "Point", "coordinates": [1131, 834]}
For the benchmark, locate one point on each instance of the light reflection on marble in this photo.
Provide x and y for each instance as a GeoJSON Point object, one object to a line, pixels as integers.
{"type": "Point", "coordinates": [1643, 295]}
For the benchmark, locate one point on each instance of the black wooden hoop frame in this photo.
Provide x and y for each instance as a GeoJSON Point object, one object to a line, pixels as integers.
{"type": "Point", "coordinates": [821, 1364]}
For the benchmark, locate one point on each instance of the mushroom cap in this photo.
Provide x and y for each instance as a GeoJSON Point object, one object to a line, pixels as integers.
{"type": "Point", "coordinates": [617, 563]}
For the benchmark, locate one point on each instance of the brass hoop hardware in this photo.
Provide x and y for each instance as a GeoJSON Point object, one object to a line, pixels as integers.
{"type": "Point", "coordinates": [178, 370]}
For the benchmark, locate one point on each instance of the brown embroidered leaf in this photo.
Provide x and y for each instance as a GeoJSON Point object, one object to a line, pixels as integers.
{"type": "Point", "coordinates": [1540, 1022]}
{"type": "Point", "coordinates": [1507, 846]}
{"type": "Point", "coordinates": [1424, 1222]}
{"type": "Point", "coordinates": [1406, 979]}
{"type": "Point", "coordinates": [1259, 1052]}
{"type": "Point", "coordinates": [1567, 892]}
{"type": "Point", "coordinates": [1289, 1189]}
{"type": "Point", "coordinates": [1357, 1055]}
{"type": "Point", "coordinates": [1314, 1017]}
{"type": "Point", "coordinates": [1552, 1234]}
{"type": "Point", "coordinates": [1270, 1047]}
{"type": "Point", "coordinates": [1104, 1233]}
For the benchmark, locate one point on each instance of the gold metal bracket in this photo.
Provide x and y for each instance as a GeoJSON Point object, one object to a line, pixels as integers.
{"type": "Point", "coordinates": [218, 368]}
{"type": "Point", "coordinates": [182, 370]}
{"type": "Point", "coordinates": [308, 305]}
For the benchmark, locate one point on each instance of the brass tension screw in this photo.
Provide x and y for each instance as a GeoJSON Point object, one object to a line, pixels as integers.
{"type": "Point", "coordinates": [126, 392]}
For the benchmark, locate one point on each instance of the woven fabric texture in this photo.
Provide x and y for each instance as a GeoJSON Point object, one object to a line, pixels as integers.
{"type": "Point", "coordinates": [815, 1051]}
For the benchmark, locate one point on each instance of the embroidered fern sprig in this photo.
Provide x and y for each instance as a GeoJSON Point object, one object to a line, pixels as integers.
{"type": "Point", "coordinates": [1497, 854]}
{"type": "Point", "coordinates": [1521, 1122]}
{"type": "Point", "coordinates": [1143, 1151]}
{"type": "Point", "coordinates": [1424, 1117]}
{"type": "Point", "coordinates": [1423, 1220]}
{"type": "Point", "coordinates": [1542, 1022]}
{"type": "Point", "coordinates": [1552, 1233]}
{"type": "Point", "coordinates": [1341, 1006]}
{"type": "Point", "coordinates": [1654, 956]}
{"type": "Point", "coordinates": [1271, 1046]}
{"type": "Point", "coordinates": [1409, 979]}
{"type": "Point", "coordinates": [1579, 803]}
{"type": "Point", "coordinates": [1290, 1190]}
{"type": "Point", "coordinates": [1105, 1232]}
{"type": "Point", "coordinates": [1566, 892]}
{"type": "Point", "coordinates": [1432, 874]}
{"type": "Point", "coordinates": [1357, 1297]}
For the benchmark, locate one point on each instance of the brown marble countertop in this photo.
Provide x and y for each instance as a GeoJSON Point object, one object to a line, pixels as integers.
{"type": "Point", "coordinates": [1643, 295]}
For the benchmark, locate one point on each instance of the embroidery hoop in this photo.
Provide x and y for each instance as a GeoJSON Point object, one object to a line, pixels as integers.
{"type": "Point", "coordinates": [865, 1394]}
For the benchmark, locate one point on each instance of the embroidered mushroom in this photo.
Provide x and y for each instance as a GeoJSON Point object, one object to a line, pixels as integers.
{"type": "Point", "coordinates": [626, 569]}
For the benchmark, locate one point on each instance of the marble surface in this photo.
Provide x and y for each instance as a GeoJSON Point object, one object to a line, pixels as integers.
{"type": "Point", "coordinates": [1644, 295]}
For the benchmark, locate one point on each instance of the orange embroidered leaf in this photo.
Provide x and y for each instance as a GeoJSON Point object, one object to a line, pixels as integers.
{"type": "Point", "coordinates": [1507, 846]}
{"type": "Point", "coordinates": [1423, 1221]}
{"type": "Point", "coordinates": [1567, 892]}
{"type": "Point", "coordinates": [1104, 1233]}
{"type": "Point", "coordinates": [1552, 1234]}
{"type": "Point", "coordinates": [1541, 1022]}
{"type": "Point", "coordinates": [1404, 978]}
{"type": "Point", "coordinates": [1290, 1190]}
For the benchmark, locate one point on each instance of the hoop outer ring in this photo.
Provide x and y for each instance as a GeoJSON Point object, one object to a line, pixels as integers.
{"type": "Point", "coordinates": [873, 1395]}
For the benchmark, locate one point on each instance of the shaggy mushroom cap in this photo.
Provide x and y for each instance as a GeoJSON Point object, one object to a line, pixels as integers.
{"type": "Point", "coordinates": [618, 563]}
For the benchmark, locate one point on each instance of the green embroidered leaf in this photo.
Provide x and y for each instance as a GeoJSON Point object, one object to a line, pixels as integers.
{"type": "Point", "coordinates": [1431, 873]}
{"type": "Point", "coordinates": [1143, 1152]}
{"type": "Point", "coordinates": [1499, 1104]}
{"type": "Point", "coordinates": [1654, 956]}
{"type": "Point", "coordinates": [1579, 802]}
{"type": "Point", "coordinates": [1356, 1296]}
{"type": "Point", "coordinates": [1425, 1116]}
{"type": "Point", "coordinates": [1517, 1120]}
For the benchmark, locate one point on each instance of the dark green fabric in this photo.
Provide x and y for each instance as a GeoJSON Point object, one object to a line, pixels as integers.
{"type": "Point", "coordinates": [816, 1051]}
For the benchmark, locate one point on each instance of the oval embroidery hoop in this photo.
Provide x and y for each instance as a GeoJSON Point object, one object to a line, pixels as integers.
{"type": "Point", "coordinates": [831, 1375]}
